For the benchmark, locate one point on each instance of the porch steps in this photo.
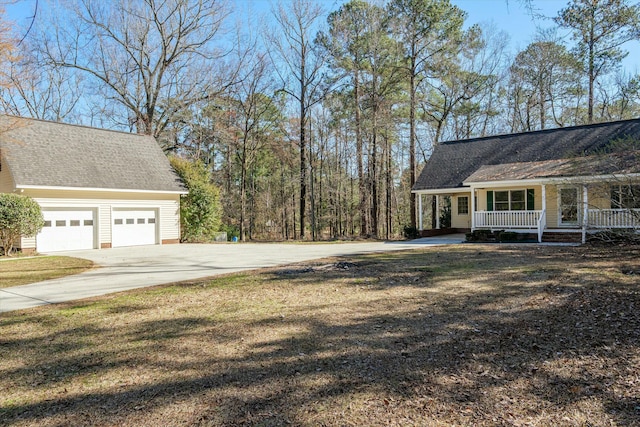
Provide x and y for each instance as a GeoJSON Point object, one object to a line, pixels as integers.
{"type": "Point", "coordinates": [561, 237]}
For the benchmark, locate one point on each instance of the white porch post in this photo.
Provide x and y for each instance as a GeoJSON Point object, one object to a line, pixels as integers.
{"type": "Point", "coordinates": [437, 211]}
{"type": "Point", "coordinates": [544, 198]}
{"type": "Point", "coordinates": [420, 211]}
{"type": "Point", "coordinates": [473, 208]}
{"type": "Point", "coordinates": [585, 212]}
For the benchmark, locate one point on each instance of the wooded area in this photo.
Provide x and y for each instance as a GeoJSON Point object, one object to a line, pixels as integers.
{"type": "Point", "coordinates": [314, 123]}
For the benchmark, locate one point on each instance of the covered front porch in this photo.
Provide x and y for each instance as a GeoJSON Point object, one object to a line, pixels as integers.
{"type": "Point", "coordinates": [532, 207]}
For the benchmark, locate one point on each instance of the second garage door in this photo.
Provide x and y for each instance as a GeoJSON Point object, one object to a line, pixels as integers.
{"type": "Point", "coordinates": [133, 227]}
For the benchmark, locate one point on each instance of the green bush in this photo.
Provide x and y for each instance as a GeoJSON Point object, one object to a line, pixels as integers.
{"type": "Point", "coordinates": [200, 209]}
{"type": "Point", "coordinates": [231, 230]}
{"type": "Point", "coordinates": [411, 232]}
{"type": "Point", "coordinates": [19, 216]}
{"type": "Point", "coordinates": [445, 213]}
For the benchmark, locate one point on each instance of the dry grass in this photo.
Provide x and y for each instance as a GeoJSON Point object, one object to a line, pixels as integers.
{"type": "Point", "coordinates": [21, 271]}
{"type": "Point", "coordinates": [472, 335]}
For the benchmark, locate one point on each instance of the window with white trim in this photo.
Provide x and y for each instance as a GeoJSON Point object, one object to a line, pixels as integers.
{"type": "Point", "coordinates": [511, 200]}
{"type": "Point", "coordinates": [463, 205]}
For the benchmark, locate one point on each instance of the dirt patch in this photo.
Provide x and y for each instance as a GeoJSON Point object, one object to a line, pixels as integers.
{"type": "Point", "coordinates": [467, 335]}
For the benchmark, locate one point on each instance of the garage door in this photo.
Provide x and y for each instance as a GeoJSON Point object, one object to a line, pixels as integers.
{"type": "Point", "coordinates": [66, 230]}
{"type": "Point", "coordinates": [134, 227]}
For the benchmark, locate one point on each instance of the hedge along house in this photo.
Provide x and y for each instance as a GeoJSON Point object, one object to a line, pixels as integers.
{"type": "Point", "coordinates": [97, 188]}
{"type": "Point", "coordinates": [565, 181]}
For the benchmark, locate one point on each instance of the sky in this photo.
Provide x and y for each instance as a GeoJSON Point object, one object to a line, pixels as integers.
{"type": "Point", "coordinates": [508, 15]}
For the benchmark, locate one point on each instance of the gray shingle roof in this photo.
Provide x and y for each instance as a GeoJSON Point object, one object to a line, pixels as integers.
{"type": "Point", "coordinates": [605, 164]}
{"type": "Point", "coordinates": [43, 153]}
{"type": "Point", "coordinates": [452, 162]}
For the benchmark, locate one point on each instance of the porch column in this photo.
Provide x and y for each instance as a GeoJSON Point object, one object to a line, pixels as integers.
{"type": "Point", "coordinates": [437, 211]}
{"type": "Point", "coordinates": [473, 208]}
{"type": "Point", "coordinates": [420, 211]}
{"type": "Point", "coordinates": [544, 198]}
{"type": "Point", "coordinates": [585, 212]}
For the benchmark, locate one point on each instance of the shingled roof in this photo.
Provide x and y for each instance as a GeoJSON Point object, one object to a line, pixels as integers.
{"type": "Point", "coordinates": [627, 162]}
{"type": "Point", "coordinates": [50, 154]}
{"type": "Point", "coordinates": [453, 162]}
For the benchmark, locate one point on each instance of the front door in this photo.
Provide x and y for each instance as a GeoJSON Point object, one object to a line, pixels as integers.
{"type": "Point", "coordinates": [568, 209]}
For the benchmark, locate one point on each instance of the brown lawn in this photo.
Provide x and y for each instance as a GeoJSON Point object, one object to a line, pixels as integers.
{"type": "Point", "coordinates": [21, 271]}
{"type": "Point", "coordinates": [464, 335]}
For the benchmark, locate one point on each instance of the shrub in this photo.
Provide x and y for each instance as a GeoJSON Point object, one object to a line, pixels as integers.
{"type": "Point", "coordinates": [445, 213]}
{"type": "Point", "coordinates": [200, 209]}
{"type": "Point", "coordinates": [508, 236]}
{"type": "Point", "coordinates": [19, 216]}
{"type": "Point", "coordinates": [411, 232]}
{"type": "Point", "coordinates": [232, 231]}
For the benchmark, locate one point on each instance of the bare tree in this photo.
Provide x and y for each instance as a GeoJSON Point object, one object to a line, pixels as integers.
{"type": "Point", "coordinates": [299, 65]}
{"type": "Point", "coordinates": [150, 58]}
{"type": "Point", "coordinates": [36, 89]}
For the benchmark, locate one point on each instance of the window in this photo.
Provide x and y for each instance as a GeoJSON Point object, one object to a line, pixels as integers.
{"type": "Point", "coordinates": [151, 221]}
{"type": "Point", "coordinates": [47, 223]}
{"type": "Point", "coordinates": [74, 223]}
{"type": "Point", "coordinates": [502, 201]}
{"type": "Point", "coordinates": [518, 202]}
{"type": "Point", "coordinates": [61, 223]}
{"type": "Point", "coordinates": [463, 205]}
{"type": "Point", "coordinates": [140, 220]}
{"type": "Point", "coordinates": [130, 221]}
{"type": "Point", "coordinates": [117, 221]}
{"type": "Point", "coordinates": [88, 222]}
{"type": "Point", "coordinates": [511, 200]}
{"type": "Point", "coordinates": [625, 197]}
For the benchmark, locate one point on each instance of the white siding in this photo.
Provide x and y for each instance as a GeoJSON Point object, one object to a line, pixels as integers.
{"type": "Point", "coordinates": [28, 243]}
{"type": "Point", "coordinates": [170, 221]}
{"type": "Point", "coordinates": [167, 204]}
{"type": "Point", "coordinates": [104, 223]}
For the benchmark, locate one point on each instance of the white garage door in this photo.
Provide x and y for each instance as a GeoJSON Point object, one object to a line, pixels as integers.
{"type": "Point", "coordinates": [66, 230]}
{"type": "Point", "coordinates": [134, 227]}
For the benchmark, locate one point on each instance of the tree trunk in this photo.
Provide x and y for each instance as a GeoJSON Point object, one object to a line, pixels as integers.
{"type": "Point", "coordinates": [361, 183]}
{"type": "Point", "coordinates": [412, 142]}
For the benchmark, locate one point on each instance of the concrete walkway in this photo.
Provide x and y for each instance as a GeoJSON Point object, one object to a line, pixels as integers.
{"type": "Point", "coordinates": [141, 266]}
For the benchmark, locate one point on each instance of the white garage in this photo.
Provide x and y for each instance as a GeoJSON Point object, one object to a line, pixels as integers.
{"type": "Point", "coordinates": [97, 188]}
{"type": "Point", "coordinates": [67, 230]}
{"type": "Point", "coordinates": [134, 227]}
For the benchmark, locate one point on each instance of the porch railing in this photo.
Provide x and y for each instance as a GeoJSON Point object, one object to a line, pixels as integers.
{"type": "Point", "coordinates": [614, 218]}
{"type": "Point", "coordinates": [507, 219]}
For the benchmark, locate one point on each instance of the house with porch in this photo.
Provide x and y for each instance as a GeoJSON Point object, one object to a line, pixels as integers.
{"type": "Point", "coordinates": [556, 182]}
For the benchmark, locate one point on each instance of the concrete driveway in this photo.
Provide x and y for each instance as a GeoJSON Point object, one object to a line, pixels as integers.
{"type": "Point", "coordinates": [141, 266]}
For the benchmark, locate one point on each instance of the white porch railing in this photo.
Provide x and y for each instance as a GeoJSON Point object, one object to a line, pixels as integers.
{"type": "Point", "coordinates": [614, 218]}
{"type": "Point", "coordinates": [507, 219]}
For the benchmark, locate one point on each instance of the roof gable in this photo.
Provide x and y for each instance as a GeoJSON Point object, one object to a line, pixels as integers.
{"type": "Point", "coordinates": [50, 154]}
{"type": "Point", "coordinates": [452, 162]}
